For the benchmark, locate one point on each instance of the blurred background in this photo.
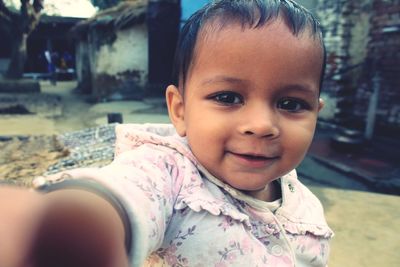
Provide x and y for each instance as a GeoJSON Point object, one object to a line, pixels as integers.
{"type": "Point", "coordinates": [69, 69]}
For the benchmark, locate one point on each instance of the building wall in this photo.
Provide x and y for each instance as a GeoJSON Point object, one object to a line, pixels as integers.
{"type": "Point", "coordinates": [346, 30]}
{"type": "Point", "coordinates": [121, 62]}
{"type": "Point", "coordinates": [127, 53]}
{"type": "Point", "coordinates": [362, 41]}
{"type": "Point", "coordinates": [384, 56]}
{"type": "Point", "coordinates": [82, 67]}
{"type": "Point", "coordinates": [163, 21]}
{"type": "Point", "coordinates": [346, 26]}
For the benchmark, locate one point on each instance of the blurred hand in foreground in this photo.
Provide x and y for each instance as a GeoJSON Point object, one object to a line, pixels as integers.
{"type": "Point", "coordinates": [65, 228]}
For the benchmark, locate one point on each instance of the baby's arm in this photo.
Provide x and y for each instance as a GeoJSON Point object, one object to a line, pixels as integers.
{"type": "Point", "coordinates": [63, 228]}
{"type": "Point", "coordinates": [142, 192]}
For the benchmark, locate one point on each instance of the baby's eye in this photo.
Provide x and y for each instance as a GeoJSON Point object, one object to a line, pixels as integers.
{"type": "Point", "coordinates": [293, 105]}
{"type": "Point", "coordinates": [228, 98]}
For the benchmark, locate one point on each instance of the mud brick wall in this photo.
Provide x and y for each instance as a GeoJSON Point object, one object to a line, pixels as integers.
{"type": "Point", "coordinates": [346, 26]}
{"type": "Point", "coordinates": [384, 58]}
{"type": "Point", "coordinates": [362, 39]}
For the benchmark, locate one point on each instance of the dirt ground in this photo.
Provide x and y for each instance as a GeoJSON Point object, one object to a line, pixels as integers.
{"type": "Point", "coordinates": [28, 145]}
{"type": "Point", "coordinates": [68, 114]}
{"type": "Point", "coordinates": [22, 160]}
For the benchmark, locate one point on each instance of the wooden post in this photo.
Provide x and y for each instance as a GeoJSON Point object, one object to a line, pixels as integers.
{"type": "Point", "coordinates": [114, 118]}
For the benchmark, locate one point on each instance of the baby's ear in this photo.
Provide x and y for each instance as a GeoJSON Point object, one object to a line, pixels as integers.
{"type": "Point", "coordinates": [321, 104]}
{"type": "Point", "coordinates": [176, 109]}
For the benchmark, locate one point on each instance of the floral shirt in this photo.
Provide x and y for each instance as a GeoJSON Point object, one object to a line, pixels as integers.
{"type": "Point", "coordinates": [183, 216]}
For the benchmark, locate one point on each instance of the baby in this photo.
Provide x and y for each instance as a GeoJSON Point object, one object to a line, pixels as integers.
{"type": "Point", "coordinates": [218, 188]}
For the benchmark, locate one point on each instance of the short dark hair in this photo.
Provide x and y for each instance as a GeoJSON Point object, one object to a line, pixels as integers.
{"type": "Point", "coordinates": [250, 13]}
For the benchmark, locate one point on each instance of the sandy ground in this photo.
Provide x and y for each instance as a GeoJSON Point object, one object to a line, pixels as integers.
{"type": "Point", "coordinates": [366, 225]}
{"type": "Point", "coordinates": [74, 113]}
{"type": "Point", "coordinates": [23, 158]}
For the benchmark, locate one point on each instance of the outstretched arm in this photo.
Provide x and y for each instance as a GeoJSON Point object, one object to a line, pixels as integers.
{"type": "Point", "coordinates": [63, 228]}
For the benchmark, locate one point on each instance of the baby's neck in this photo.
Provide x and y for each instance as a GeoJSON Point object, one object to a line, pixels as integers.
{"type": "Point", "coordinates": [270, 193]}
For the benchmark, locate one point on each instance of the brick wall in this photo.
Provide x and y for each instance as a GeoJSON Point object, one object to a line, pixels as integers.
{"type": "Point", "coordinates": [346, 26]}
{"type": "Point", "coordinates": [384, 55]}
{"type": "Point", "coordinates": [362, 39]}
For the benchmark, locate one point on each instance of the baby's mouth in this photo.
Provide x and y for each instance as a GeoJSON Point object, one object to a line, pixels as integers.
{"type": "Point", "coordinates": [254, 160]}
{"type": "Point", "coordinates": [253, 157]}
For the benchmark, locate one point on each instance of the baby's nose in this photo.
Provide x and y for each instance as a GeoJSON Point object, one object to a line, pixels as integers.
{"type": "Point", "coordinates": [261, 123]}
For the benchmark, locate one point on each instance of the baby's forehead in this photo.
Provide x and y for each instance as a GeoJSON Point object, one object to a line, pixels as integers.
{"type": "Point", "coordinates": [262, 50]}
{"type": "Point", "coordinates": [217, 31]}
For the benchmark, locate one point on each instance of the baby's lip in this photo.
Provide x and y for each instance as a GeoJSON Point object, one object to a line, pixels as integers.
{"type": "Point", "coordinates": [256, 155]}
{"type": "Point", "coordinates": [254, 160]}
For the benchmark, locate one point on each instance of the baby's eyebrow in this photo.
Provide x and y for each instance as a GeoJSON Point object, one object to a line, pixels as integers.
{"type": "Point", "coordinates": [308, 91]}
{"type": "Point", "coordinates": [224, 79]}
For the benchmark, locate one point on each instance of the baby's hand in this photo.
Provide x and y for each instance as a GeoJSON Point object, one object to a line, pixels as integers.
{"type": "Point", "coordinates": [63, 228]}
{"type": "Point", "coordinates": [19, 213]}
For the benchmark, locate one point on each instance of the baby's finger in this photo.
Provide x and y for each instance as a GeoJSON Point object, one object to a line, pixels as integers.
{"type": "Point", "coordinates": [75, 232]}
{"type": "Point", "coordinates": [20, 211]}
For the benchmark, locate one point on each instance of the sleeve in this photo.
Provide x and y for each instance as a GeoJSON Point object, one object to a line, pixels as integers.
{"type": "Point", "coordinates": [143, 184]}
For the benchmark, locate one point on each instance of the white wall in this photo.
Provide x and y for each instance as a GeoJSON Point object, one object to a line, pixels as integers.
{"type": "Point", "coordinates": [129, 52]}
{"type": "Point", "coordinates": [329, 110]}
{"type": "Point", "coordinates": [360, 36]}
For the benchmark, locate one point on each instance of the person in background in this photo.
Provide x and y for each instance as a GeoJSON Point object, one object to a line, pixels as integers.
{"type": "Point", "coordinates": [51, 65]}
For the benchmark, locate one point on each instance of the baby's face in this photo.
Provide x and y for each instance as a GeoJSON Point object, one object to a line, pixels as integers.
{"type": "Point", "coordinates": [251, 103]}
